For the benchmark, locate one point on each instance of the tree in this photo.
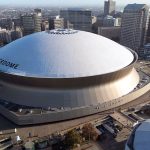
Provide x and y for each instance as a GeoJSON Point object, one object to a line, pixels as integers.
{"type": "Point", "coordinates": [89, 132]}
{"type": "Point", "coordinates": [71, 138]}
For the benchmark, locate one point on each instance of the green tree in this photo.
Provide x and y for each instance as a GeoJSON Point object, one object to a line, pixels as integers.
{"type": "Point", "coordinates": [71, 138]}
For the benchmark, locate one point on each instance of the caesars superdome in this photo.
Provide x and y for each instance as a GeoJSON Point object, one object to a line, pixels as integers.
{"type": "Point", "coordinates": [66, 69]}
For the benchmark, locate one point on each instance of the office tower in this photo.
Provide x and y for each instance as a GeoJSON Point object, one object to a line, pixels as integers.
{"type": "Point", "coordinates": [109, 21]}
{"type": "Point", "coordinates": [45, 25]}
{"type": "Point", "coordinates": [94, 19]}
{"type": "Point", "coordinates": [148, 32]}
{"type": "Point", "coordinates": [32, 22]}
{"type": "Point", "coordinates": [17, 22]}
{"type": "Point", "coordinates": [7, 36]}
{"type": "Point", "coordinates": [56, 23]}
{"type": "Point", "coordinates": [6, 23]}
{"type": "Point", "coordinates": [37, 20]}
{"type": "Point", "coordinates": [77, 19]}
{"type": "Point", "coordinates": [28, 24]}
{"type": "Point", "coordinates": [134, 26]}
{"type": "Point", "coordinates": [98, 23]}
{"type": "Point", "coordinates": [16, 34]}
{"type": "Point", "coordinates": [112, 33]}
{"type": "Point", "coordinates": [109, 7]}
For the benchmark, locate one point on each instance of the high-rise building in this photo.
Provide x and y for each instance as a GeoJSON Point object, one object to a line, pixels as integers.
{"type": "Point", "coordinates": [112, 33]}
{"type": "Point", "coordinates": [17, 22]}
{"type": "Point", "coordinates": [37, 20]}
{"type": "Point", "coordinates": [27, 24]}
{"type": "Point", "coordinates": [148, 32]}
{"type": "Point", "coordinates": [45, 25]}
{"type": "Point", "coordinates": [32, 22]}
{"type": "Point", "coordinates": [109, 7]}
{"type": "Point", "coordinates": [6, 23]}
{"type": "Point", "coordinates": [98, 23]}
{"type": "Point", "coordinates": [7, 36]}
{"type": "Point", "coordinates": [134, 26]}
{"type": "Point", "coordinates": [109, 21]}
{"type": "Point", "coordinates": [56, 23]}
{"type": "Point", "coordinates": [16, 34]}
{"type": "Point", "coordinates": [77, 19]}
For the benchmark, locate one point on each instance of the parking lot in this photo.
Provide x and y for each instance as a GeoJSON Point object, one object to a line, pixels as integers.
{"type": "Point", "coordinates": [115, 131]}
{"type": "Point", "coordinates": [108, 142]}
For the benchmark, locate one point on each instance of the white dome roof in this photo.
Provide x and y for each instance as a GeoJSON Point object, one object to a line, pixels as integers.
{"type": "Point", "coordinates": [63, 54]}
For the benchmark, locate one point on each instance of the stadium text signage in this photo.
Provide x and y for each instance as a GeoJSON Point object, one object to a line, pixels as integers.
{"type": "Point", "coordinates": [8, 64]}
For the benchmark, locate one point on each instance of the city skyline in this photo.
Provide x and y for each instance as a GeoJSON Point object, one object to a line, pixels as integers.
{"type": "Point", "coordinates": [65, 3]}
{"type": "Point", "coordinates": [74, 74]}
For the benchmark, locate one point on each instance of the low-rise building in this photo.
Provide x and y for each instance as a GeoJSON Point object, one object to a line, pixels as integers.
{"type": "Point", "coordinates": [145, 52]}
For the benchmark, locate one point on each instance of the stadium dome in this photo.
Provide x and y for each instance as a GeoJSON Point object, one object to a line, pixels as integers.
{"type": "Point", "coordinates": [57, 55]}
{"type": "Point", "coordinates": [66, 68]}
{"type": "Point", "coordinates": [139, 138]}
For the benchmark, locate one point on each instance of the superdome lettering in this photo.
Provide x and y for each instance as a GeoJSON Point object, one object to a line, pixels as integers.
{"type": "Point", "coordinates": [8, 64]}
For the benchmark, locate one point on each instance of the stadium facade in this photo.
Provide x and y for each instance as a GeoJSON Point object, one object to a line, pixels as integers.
{"type": "Point", "coordinates": [71, 71]}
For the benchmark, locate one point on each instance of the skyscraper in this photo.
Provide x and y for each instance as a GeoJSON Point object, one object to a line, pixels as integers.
{"type": "Point", "coordinates": [56, 23]}
{"type": "Point", "coordinates": [32, 22]}
{"type": "Point", "coordinates": [77, 19]}
{"type": "Point", "coordinates": [7, 36]}
{"type": "Point", "coordinates": [27, 24]}
{"type": "Point", "coordinates": [110, 21]}
{"type": "Point", "coordinates": [134, 26]}
{"type": "Point", "coordinates": [148, 32]}
{"type": "Point", "coordinates": [109, 7]}
{"type": "Point", "coordinates": [6, 23]}
{"type": "Point", "coordinates": [37, 20]}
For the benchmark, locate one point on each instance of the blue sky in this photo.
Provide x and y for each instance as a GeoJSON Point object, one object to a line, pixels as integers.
{"type": "Point", "coordinates": [60, 3]}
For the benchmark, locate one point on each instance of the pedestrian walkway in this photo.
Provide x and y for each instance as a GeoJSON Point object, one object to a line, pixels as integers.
{"type": "Point", "coordinates": [122, 119]}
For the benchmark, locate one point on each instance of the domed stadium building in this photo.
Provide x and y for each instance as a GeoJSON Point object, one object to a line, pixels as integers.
{"type": "Point", "coordinates": [64, 74]}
